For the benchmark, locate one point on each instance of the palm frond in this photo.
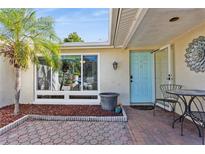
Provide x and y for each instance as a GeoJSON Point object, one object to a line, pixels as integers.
{"type": "Point", "coordinates": [26, 36]}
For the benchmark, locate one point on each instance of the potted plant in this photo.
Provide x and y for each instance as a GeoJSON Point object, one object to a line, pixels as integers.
{"type": "Point", "coordinates": [108, 100]}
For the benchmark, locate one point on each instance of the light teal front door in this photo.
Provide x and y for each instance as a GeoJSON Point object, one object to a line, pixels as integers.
{"type": "Point", "coordinates": [141, 77]}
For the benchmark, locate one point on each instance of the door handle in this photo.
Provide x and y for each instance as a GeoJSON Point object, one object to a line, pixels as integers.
{"type": "Point", "coordinates": [131, 77]}
{"type": "Point", "coordinates": [169, 77]}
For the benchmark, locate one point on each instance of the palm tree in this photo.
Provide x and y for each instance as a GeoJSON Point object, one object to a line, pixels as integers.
{"type": "Point", "coordinates": [23, 37]}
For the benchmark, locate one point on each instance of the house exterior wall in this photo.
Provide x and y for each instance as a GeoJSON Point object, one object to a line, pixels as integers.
{"type": "Point", "coordinates": [7, 81]}
{"type": "Point", "coordinates": [110, 79]}
{"type": "Point", "coordinates": [183, 75]}
{"type": "Point", "coordinates": [27, 90]}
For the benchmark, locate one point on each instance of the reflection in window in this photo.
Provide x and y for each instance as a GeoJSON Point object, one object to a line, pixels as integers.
{"type": "Point", "coordinates": [55, 81]}
{"type": "Point", "coordinates": [43, 76]}
{"type": "Point", "coordinates": [70, 73]}
{"type": "Point", "coordinates": [90, 72]}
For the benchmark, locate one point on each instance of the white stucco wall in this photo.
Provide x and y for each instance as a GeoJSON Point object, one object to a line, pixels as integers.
{"type": "Point", "coordinates": [115, 80]}
{"type": "Point", "coordinates": [7, 81]}
{"type": "Point", "coordinates": [188, 78]}
{"type": "Point", "coordinates": [110, 80]}
{"type": "Point", "coordinates": [183, 75]}
{"type": "Point", "coordinates": [27, 91]}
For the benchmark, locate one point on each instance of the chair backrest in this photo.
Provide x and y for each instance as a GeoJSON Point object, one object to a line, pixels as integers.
{"type": "Point", "coordinates": [169, 87]}
{"type": "Point", "coordinates": [197, 106]}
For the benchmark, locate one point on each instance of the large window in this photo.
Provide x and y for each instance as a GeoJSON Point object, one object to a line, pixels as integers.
{"type": "Point", "coordinates": [90, 72]}
{"type": "Point", "coordinates": [77, 73]}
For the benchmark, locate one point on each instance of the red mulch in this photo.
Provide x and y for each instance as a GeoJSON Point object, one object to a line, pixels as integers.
{"type": "Point", "coordinates": [6, 113]}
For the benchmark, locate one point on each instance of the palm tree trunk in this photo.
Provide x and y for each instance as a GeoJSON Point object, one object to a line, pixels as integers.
{"type": "Point", "coordinates": [17, 91]}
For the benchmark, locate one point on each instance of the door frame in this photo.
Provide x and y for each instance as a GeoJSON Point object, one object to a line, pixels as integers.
{"type": "Point", "coordinates": [153, 79]}
{"type": "Point", "coordinates": [170, 69]}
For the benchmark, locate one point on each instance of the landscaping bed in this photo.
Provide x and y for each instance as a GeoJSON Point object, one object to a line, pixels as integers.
{"type": "Point", "coordinates": [6, 113]}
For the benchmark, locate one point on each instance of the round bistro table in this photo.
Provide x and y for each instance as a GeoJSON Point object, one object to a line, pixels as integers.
{"type": "Point", "coordinates": [183, 94]}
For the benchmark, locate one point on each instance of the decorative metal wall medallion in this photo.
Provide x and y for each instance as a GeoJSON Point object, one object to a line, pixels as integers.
{"type": "Point", "coordinates": [195, 55]}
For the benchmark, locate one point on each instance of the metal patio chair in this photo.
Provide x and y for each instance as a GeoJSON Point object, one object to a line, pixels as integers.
{"type": "Point", "coordinates": [171, 99]}
{"type": "Point", "coordinates": [197, 113]}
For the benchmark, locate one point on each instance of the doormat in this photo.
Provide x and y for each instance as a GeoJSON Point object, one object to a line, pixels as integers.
{"type": "Point", "coordinates": [143, 107]}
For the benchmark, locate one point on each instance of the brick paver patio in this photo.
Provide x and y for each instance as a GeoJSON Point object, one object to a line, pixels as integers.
{"type": "Point", "coordinates": [142, 128]}
{"type": "Point", "coordinates": [68, 132]}
{"type": "Point", "coordinates": [147, 129]}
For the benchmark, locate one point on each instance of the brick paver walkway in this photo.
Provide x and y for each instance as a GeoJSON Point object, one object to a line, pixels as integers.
{"type": "Point", "coordinates": [68, 132]}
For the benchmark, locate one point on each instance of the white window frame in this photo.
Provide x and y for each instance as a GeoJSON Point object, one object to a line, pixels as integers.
{"type": "Point", "coordinates": [66, 94]}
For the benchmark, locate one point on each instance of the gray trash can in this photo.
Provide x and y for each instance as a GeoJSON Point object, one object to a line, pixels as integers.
{"type": "Point", "coordinates": [108, 100]}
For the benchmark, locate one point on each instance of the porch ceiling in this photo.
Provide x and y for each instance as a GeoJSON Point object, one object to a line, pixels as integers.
{"type": "Point", "coordinates": [155, 29]}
